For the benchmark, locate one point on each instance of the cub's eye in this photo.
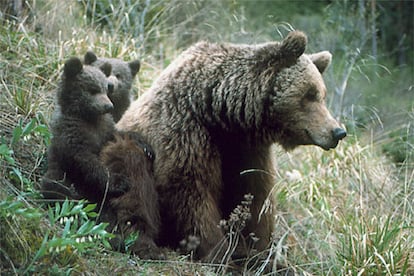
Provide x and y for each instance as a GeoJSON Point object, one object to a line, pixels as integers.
{"type": "Point", "coordinates": [118, 76]}
{"type": "Point", "coordinates": [311, 95]}
{"type": "Point", "coordinates": [94, 90]}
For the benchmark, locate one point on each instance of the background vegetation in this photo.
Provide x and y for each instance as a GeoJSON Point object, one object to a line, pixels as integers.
{"type": "Point", "coordinates": [345, 212]}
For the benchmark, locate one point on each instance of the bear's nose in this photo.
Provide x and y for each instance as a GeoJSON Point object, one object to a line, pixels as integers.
{"type": "Point", "coordinates": [110, 87]}
{"type": "Point", "coordinates": [338, 133]}
{"type": "Point", "coordinates": [108, 107]}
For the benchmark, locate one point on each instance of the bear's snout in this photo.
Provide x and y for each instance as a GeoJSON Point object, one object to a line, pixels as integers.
{"type": "Point", "coordinates": [338, 133]}
{"type": "Point", "coordinates": [103, 103]}
{"type": "Point", "coordinates": [114, 81]}
{"type": "Point", "coordinates": [108, 107]}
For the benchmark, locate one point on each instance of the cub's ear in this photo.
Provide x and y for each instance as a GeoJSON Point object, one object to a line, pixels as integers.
{"type": "Point", "coordinates": [321, 60]}
{"type": "Point", "coordinates": [90, 58]}
{"type": "Point", "coordinates": [294, 45]}
{"type": "Point", "coordinates": [73, 66]}
{"type": "Point", "coordinates": [106, 68]}
{"type": "Point", "coordinates": [134, 66]}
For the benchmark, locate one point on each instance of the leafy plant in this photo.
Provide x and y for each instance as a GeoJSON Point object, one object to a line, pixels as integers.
{"type": "Point", "coordinates": [34, 127]}
{"type": "Point", "coordinates": [80, 234]}
{"type": "Point", "coordinates": [6, 154]}
{"type": "Point", "coordinates": [18, 235]}
{"type": "Point", "coordinates": [79, 231]}
{"type": "Point", "coordinates": [11, 207]}
{"type": "Point", "coordinates": [130, 240]}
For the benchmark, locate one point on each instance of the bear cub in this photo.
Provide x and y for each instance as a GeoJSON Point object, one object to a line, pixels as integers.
{"type": "Point", "coordinates": [122, 76]}
{"type": "Point", "coordinates": [136, 210]}
{"type": "Point", "coordinates": [89, 159]}
{"type": "Point", "coordinates": [81, 128]}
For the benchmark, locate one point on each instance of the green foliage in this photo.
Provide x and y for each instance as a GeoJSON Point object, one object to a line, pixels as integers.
{"type": "Point", "coordinates": [6, 154]}
{"type": "Point", "coordinates": [35, 127]}
{"type": "Point", "coordinates": [26, 66]}
{"type": "Point", "coordinates": [79, 233]}
{"type": "Point", "coordinates": [71, 233]}
{"type": "Point", "coordinates": [77, 224]}
{"type": "Point", "coordinates": [19, 231]}
{"type": "Point", "coordinates": [400, 146]}
{"type": "Point", "coordinates": [133, 17]}
{"type": "Point", "coordinates": [130, 240]}
{"type": "Point", "coordinates": [14, 173]}
{"type": "Point", "coordinates": [10, 208]}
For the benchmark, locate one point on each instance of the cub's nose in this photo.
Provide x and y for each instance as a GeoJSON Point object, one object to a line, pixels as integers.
{"type": "Point", "coordinates": [338, 133]}
{"type": "Point", "coordinates": [108, 107]}
{"type": "Point", "coordinates": [110, 87]}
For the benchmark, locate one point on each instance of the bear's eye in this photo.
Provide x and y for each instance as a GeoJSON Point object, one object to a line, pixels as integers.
{"type": "Point", "coordinates": [94, 90]}
{"type": "Point", "coordinates": [311, 95]}
{"type": "Point", "coordinates": [118, 76]}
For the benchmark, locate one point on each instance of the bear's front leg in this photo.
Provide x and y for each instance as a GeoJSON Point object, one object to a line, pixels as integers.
{"type": "Point", "coordinates": [190, 218]}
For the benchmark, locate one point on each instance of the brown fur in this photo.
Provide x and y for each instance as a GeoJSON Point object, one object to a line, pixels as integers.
{"type": "Point", "coordinates": [85, 162]}
{"type": "Point", "coordinates": [213, 114]}
{"type": "Point", "coordinates": [122, 76]}
{"type": "Point", "coordinates": [56, 184]}
{"type": "Point", "coordinates": [136, 210]}
{"type": "Point", "coordinates": [82, 126]}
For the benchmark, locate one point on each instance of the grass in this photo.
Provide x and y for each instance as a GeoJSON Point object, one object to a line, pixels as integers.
{"type": "Point", "coordinates": [344, 212]}
{"type": "Point", "coordinates": [348, 209]}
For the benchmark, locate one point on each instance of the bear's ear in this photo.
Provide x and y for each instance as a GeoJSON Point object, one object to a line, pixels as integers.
{"type": "Point", "coordinates": [106, 68]}
{"type": "Point", "coordinates": [90, 57]}
{"type": "Point", "coordinates": [282, 54]}
{"type": "Point", "coordinates": [72, 67]}
{"type": "Point", "coordinates": [321, 60]}
{"type": "Point", "coordinates": [134, 67]}
{"type": "Point", "coordinates": [293, 46]}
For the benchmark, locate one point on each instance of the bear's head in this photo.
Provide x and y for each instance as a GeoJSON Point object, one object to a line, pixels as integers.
{"type": "Point", "coordinates": [122, 77]}
{"type": "Point", "coordinates": [83, 90]}
{"type": "Point", "coordinates": [296, 106]}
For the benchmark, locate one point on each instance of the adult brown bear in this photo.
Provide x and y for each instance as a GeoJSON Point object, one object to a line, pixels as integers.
{"type": "Point", "coordinates": [215, 112]}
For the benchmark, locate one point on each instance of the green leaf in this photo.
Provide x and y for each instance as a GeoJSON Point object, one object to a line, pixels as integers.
{"type": "Point", "coordinates": [89, 207]}
{"type": "Point", "coordinates": [65, 208]}
{"type": "Point", "coordinates": [57, 211]}
{"type": "Point", "coordinates": [28, 128]}
{"type": "Point", "coordinates": [85, 228]}
{"type": "Point", "coordinates": [76, 209]}
{"type": "Point", "coordinates": [92, 214]}
{"type": "Point", "coordinates": [7, 153]}
{"type": "Point", "coordinates": [106, 244]}
{"type": "Point", "coordinates": [17, 134]}
{"type": "Point", "coordinates": [40, 253]}
{"type": "Point", "coordinates": [66, 230]}
{"type": "Point", "coordinates": [51, 216]}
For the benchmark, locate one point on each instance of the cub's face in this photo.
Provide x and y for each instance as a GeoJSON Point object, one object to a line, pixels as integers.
{"type": "Point", "coordinates": [95, 95]}
{"type": "Point", "coordinates": [300, 109]}
{"type": "Point", "coordinates": [85, 90]}
{"type": "Point", "coordinates": [122, 74]}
